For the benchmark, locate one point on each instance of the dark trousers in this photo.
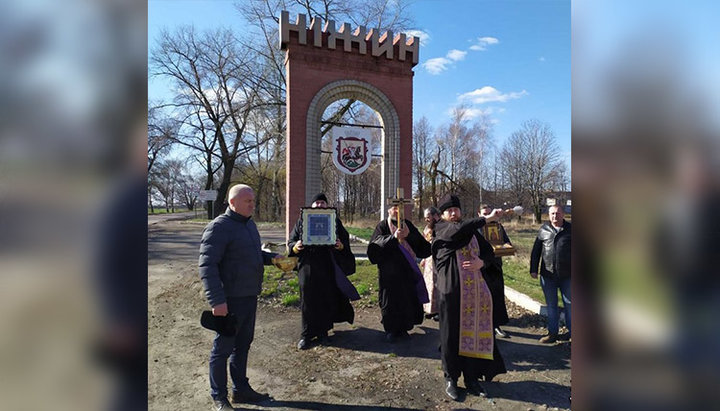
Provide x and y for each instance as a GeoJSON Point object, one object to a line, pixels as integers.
{"type": "Point", "coordinates": [236, 348]}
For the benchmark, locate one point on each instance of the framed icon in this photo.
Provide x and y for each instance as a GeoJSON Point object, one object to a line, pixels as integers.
{"type": "Point", "coordinates": [494, 234]}
{"type": "Point", "coordinates": [318, 226]}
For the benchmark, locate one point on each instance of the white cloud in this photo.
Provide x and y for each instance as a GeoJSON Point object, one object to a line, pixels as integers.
{"type": "Point", "coordinates": [475, 112]}
{"type": "Point", "coordinates": [489, 94]}
{"type": "Point", "coordinates": [456, 55]}
{"type": "Point", "coordinates": [436, 65]}
{"type": "Point", "coordinates": [472, 113]}
{"type": "Point", "coordinates": [483, 43]}
{"type": "Point", "coordinates": [424, 36]}
{"type": "Point", "coordinates": [439, 64]}
{"type": "Point", "coordinates": [542, 59]}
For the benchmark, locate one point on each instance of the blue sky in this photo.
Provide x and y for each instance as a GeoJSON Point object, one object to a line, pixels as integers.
{"type": "Point", "coordinates": [509, 59]}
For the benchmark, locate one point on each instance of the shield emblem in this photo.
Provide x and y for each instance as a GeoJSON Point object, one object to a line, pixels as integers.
{"type": "Point", "coordinates": [350, 153]}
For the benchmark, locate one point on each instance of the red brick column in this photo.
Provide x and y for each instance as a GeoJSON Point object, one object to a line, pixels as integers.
{"type": "Point", "coordinates": [309, 69]}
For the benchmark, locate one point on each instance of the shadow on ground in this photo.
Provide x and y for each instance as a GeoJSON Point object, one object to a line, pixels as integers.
{"type": "Point", "coordinates": [422, 344]}
{"type": "Point", "coordinates": [314, 405]}
{"type": "Point", "coordinates": [538, 392]}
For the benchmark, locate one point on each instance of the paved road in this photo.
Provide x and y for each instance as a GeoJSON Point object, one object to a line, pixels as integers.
{"type": "Point", "coordinates": [157, 218]}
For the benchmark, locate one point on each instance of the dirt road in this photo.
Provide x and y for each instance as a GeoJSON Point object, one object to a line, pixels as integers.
{"type": "Point", "coordinates": [357, 370]}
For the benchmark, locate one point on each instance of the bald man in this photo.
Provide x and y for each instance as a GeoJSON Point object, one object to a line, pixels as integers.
{"type": "Point", "coordinates": [231, 268]}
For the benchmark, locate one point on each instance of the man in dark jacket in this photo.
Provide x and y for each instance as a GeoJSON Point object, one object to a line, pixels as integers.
{"type": "Point", "coordinates": [231, 268]}
{"type": "Point", "coordinates": [325, 291]}
{"type": "Point", "coordinates": [553, 245]}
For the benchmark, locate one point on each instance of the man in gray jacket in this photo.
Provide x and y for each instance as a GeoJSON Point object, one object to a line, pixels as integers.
{"type": "Point", "coordinates": [231, 268]}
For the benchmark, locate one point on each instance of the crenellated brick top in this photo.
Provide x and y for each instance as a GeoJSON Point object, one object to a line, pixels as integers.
{"type": "Point", "coordinates": [359, 42]}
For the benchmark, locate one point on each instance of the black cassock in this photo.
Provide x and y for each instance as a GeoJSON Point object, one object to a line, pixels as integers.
{"type": "Point", "coordinates": [496, 283]}
{"type": "Point", "coordinates": [450, 237]}
{"type": "Point", "coordinates": [399, 303]}
{"type": "Point", "coordinates": [322, 303]}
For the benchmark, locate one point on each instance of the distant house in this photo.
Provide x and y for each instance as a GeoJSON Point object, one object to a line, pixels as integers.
{"type": "Point", "coordinates": [559, 198]}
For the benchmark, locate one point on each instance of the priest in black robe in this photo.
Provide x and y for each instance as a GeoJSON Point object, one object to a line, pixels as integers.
{"type": "Point", "coordinates": [467, 340]}
{"type": "Point", "coordinates": [496, 279]}
{"type": "Point", "coordinates": [325, 291]}
{"type": "Point", "coordinates": [402, 289]}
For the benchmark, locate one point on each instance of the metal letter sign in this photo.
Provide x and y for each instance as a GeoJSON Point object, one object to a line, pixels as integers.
{"type": "Point", "coordinates": [351, 149]}
{"type": "Point", "coordinates": [207, 195]}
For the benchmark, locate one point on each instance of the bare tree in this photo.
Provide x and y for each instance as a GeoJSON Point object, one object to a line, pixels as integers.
{"type": "Point", "coordinates": [165, 179]}
{"type": "Point", "coordinates": [188, 184]}
{"type": "Point", "coordinates": [161, 134]}
{"type": "Point", "coordinates": [215, 91]}
{"type": "Point", "coordinates": [422, 132]}
{"type": "Point", "coordinates": [460, 154]}
{"type": "Point", "coordinates": [559, 178]}
{"type": "Point", "coordinates": [531, 161]}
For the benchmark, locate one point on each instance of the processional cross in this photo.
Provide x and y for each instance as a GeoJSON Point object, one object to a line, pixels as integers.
{"type": "Point", "coordinates": [399, 201]}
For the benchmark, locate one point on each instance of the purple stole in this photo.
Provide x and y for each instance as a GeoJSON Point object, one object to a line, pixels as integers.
{"type": "Point", "coordinates": [407, 251]}
{"type": "Point", "coordinates": [345, 286]}
{"type": "Point", "coordinates": [476, 333]}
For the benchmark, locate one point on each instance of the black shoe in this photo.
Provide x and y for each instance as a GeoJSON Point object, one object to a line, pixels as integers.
{"type": "Point", "coordinates": [473, 387]}
{"type": "Point", "coordinates": [248, 395]}
{"type": "Point", "coordinates": [429, 316]}
{"type": "Point", "coordinates": [222, 405]}
{"type": "Point", "coordinates": [436, 317]}
{"type": "Point", "coordinates": [501, 333]}
{"type": "Point", "coordinates": [451, 389]}
{"type": "Point", "coordinates": [303, 344]}
{"type": "Point", "coordinates": [403, 334]}
{"type": "Point", "coordinates": [390, 337]}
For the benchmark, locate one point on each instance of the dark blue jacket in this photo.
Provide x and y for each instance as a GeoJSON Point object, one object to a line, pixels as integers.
{"type": "Point", "coordinates": [231, 261]}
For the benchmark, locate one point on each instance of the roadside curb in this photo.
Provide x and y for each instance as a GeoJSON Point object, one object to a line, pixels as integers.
{"type": "Point", "coordinates": [358, 239]}
{"type": "Point", "coordinates": [524, 301]}
{"type": "Point", "coordinates": [528, 303]}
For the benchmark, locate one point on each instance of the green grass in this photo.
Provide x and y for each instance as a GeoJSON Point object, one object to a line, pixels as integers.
{"type": "Point", "coordinates": [365, 281]}
{"type": "Point", "coordinates": [291, 300]}
{"type": "Point", "coordinates": [516, 269]}
{"type": "Point", "coordinates": [517, 277]}
{"type": "Point", "coordinates": [363, 289]}
{"type": "Point", "coordinates": [362, 232]}
{"type": "Point", "coordinates": [284, 288]}
{"type": "Point", "coordinates": [279, 285]}
{"type": "Point", "coordinates": [628, 274]}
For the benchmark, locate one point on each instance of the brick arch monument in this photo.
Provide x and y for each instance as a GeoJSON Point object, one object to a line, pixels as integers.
{"type": "Point", "coordinates": [324, 65]}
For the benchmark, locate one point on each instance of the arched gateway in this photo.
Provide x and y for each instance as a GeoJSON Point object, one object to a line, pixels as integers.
{"type": "Point", "coordinates": [324, 65]}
